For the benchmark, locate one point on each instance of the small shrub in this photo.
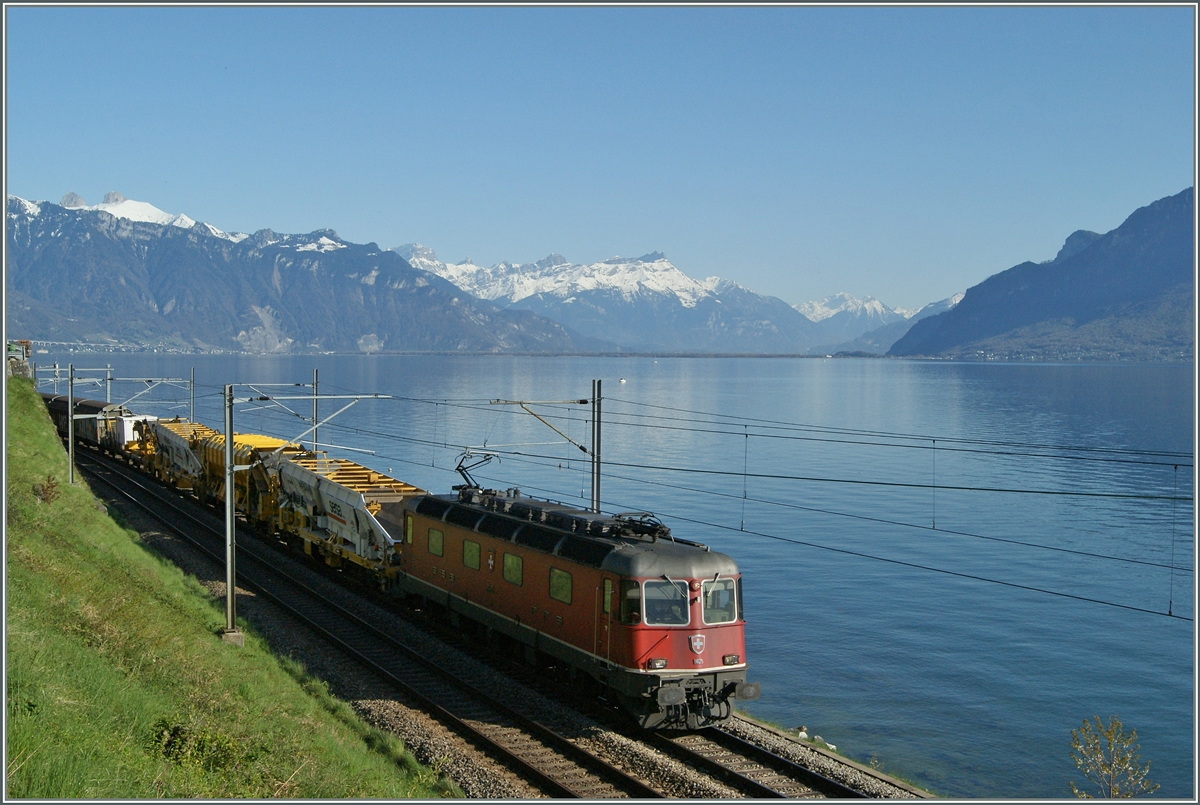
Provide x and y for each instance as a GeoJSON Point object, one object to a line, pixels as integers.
{"type": "Point", "coordinates": [195, 745]}
{"type": "Point", "coordinates": [46, 492]}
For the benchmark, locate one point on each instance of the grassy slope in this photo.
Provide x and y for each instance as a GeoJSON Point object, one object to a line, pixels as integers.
{"type": "Point", "coordinates": [118, 684]}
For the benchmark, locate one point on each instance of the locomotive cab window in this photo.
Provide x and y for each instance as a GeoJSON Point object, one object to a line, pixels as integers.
{"type": "Point", "coordinates": [666, 603]}
{"type": "Point", "coordinates": [631, 602]}
{"type": "Point", "coordinates": [471, 554]}
{"type": "Point", "coordinates": [513, 568]}
{"type": "Point", "coordinates": [560, 585]}
{"type": "Point", "coordinates": [435, 542]}
{"type": "Point", "coordinates": [718, 596]}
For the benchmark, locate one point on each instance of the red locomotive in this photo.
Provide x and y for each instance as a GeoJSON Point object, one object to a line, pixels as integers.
{"type": "Point", "coordinates": [656, 619]}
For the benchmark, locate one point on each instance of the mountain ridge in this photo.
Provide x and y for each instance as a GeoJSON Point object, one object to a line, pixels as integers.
{"type": "Point", "coordinates": [126, 271]}
{"type": "Point", "coordinates": [1091, 299]}
{"type": "Point", "coordinates": [89, 275]}
{"type": "Point", "coordinates": [670, 309]}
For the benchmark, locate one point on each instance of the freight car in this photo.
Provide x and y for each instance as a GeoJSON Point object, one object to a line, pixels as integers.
{"type": "Point", "coordinates": [107, 426]}
{"type": "Point", "coordinates": [330, 505]}
{"type": "Point", "coordinates": [655, 619]}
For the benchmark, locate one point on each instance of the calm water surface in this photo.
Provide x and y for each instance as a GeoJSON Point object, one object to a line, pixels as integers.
{"type": "Point", "coordinates": [951, 605]}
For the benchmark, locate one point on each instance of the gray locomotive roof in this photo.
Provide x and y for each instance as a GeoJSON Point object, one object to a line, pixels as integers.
{"type": "Point", "coordinates": [628, 545]}
{"type": "Point", "coordinates": [667, 558]}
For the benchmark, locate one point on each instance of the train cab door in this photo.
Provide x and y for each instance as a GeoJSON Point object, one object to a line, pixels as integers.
{"type": "Point", "coordinates": [407, 545]}
{"type": "Point", "coordinates": [605, 599]}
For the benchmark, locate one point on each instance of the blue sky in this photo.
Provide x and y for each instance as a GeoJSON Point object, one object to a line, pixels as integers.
{"type": "Point", "coordinates": [901, 152]}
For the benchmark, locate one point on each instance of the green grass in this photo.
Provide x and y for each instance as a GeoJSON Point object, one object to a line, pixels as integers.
{"type": "Point", "coordinates": [119, 685]}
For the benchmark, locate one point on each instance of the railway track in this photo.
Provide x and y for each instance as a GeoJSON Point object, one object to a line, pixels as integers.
{"type": "Point", "coordinates": [742, 765]}
{"type": "Point", "coordinates": [748, 767]}
{"type": "Point", "coordinates": [551, 762]}
{"type": "Point", "coordinates": [547, 759]}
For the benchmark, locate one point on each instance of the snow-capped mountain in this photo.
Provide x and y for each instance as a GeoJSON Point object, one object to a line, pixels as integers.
{"type": "Point", "coordinates": [118, 206]}
{"type": "Point", "coordinates": [645, 303]}
{"type": "Point", "coordinates": [555, 275]}
{"type": "Point", "coordinates": [879, 340]}
{"type": "Point", "coordinates": [830, 306]}
{"type": "Point", "coordinates": [127, 272]}
{"type": "Point", "coordinates": [842, 317]}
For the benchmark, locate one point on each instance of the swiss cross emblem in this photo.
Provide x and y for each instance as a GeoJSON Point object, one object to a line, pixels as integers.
{"type": "Point", "coordinates": [696, 641]}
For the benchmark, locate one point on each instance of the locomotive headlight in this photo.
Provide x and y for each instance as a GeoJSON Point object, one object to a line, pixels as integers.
{"type": "Point", "coordinates": [731, 659]}
{"type": "Point", "coordinates": [657, 664]}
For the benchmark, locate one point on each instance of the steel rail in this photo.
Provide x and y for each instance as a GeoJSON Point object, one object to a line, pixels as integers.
{"type": "Point", "coordinates": [562, 745]}
{"type": "Point", "coordinates": [785, 767]}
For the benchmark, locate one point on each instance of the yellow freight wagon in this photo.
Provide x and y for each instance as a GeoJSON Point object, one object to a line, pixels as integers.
{"type": "Point", "coordinates": [175, 451]}
{"type": "Point", "coordinates": [256, 489]}
{"type": "Point", "coordinates": [331, 503]}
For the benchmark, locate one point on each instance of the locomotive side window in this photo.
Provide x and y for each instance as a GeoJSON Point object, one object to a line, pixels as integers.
{"type": "Point", "coordinates": [513, 568]}
{"type": "Point", "coordinates": [408, 529]}
{"type": "Point", "coordinates": [666, 603]}
{"type": "Point", "coordinates": [718, 601]}
{"type": "Point", "coordinates": [741, 617]}
{"type": "Point", "coordinates": [471, 554]}
{"type": "Point", "coordinates": [435, 542]}
{"type": "Point", "coordinates": [631, 602]}
{"type": "Point", "coordinates": [606, 596]}
{"type": "Point", "coordinates": [560, 585]}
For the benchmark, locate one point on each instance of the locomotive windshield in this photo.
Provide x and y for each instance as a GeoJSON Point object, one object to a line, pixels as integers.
{"type": "Point", "coordinates": [719, 601]}
{"type": "Point", "coordinates": [666, 603]}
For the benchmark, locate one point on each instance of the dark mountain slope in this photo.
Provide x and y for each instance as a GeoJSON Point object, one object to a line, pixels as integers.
{"type": "Point", "coordinates": [1126, 294]}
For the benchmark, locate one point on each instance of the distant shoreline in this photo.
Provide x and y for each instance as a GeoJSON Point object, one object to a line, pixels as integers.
{"type": "Point", "coordinates": [94, 349]}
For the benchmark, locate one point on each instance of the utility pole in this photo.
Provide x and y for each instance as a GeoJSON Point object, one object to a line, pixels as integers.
{"type": "Point", "coordinates": [594, 452]}
{"type": "Point", "coordinates": [192, 397]}
{"type": "Point", "coordinates": [70, 419]}
{"type": "Point", "coordinates": [231, 633]}
{"type": "Point", "coordinates": [108, 382]}
{"type": "Point", "coordinates": [315, 420]}
{"type": "Point", "coordinates": [596, 446]}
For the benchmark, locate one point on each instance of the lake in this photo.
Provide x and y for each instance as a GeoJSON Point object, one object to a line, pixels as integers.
{"type": "Point", "coordinates": [947, 566]}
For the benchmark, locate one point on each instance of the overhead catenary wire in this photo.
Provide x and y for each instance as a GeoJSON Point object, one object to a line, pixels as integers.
{"type": "Point", "coordinates": [903, 563]}
{"type": "Point", "coordinates": [807, 478]}
{"type": "Point", "coordinates": [917, 441]}
{"type": "Point", "coordinates": [886, 434]}
{"type": "Point", "coordinates": [477, 404]}
{"type": "Point", "coordinates": [1090, 453]}
{"type": "Point", "coordinates": [801, 478]}
{"type": "Point", "coordinates": [1091, 554]}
